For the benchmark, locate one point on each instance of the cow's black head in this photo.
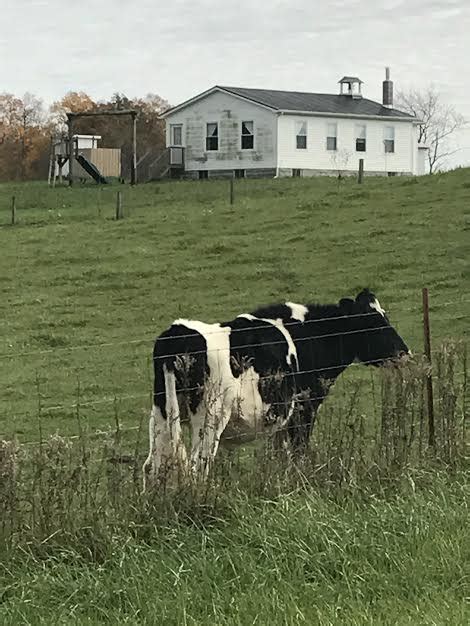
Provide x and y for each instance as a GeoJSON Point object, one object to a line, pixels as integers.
{"type": "Point", "coordinates": [372, 339]}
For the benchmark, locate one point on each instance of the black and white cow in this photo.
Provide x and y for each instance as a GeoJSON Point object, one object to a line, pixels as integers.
{"type": "Point", "coordinates": [270, 369]}
{"type": "Point", "coordinates": [241, 371]}
{"type": "Point", "coordinates": [328, 338]}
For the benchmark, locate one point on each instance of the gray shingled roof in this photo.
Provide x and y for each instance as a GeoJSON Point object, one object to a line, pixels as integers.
{"type": "Point", "coordinates": [351, 79]}
{"type": "Point", "coordinates": [315, 102]}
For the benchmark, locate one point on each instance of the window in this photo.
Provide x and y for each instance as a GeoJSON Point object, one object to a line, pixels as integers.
{"type": "Point", "coordinates": [247, 136]}
{"type": "Point", "coordinates": [360, 138]}
{"type": "Point", "coordinates": [296, 173]}
{"type": "Point", "coordinates": [203, 174]}
{"type": "Point", "coordinates": [239, 173]}
{"type": "Point", "coordinates": [332, 137]}
{"type": "Point", "coordinates": [301, 136]}
{"type": "Point", "coordinates": [389, 139]}
{"type": "Point", "coordinates": [212, 136]}
{"type": "Point", "coordinates": [176, 134]}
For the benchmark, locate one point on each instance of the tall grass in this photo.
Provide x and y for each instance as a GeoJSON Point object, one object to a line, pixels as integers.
{"type": "Point", "coordinates": [83, 492]}
{"type": "Point", "coordinates": [371, 527]}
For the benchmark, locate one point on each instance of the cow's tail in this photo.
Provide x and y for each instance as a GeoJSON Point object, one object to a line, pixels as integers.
{"type": "Point", "coordinates": [165, 433]}
{"type": "Point", "coordinates": [171, 399]}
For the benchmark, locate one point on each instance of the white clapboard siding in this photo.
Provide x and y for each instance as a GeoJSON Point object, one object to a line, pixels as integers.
{"type": "Point", "coordinates": [229, 112]}
{"type": "Point", "coordinates": [316, 156]}
{"type": "Point", "coordinates": [275, 139]}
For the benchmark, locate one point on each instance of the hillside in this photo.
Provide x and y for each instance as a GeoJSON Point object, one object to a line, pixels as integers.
{"type": "Point", "coordinates": [83, 295]}
{"type": "Point", "coordinates": [371, 527]}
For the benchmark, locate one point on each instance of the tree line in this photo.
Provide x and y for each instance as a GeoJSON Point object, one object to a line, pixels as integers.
{"type": "Point", "coordinates": [27, 127]}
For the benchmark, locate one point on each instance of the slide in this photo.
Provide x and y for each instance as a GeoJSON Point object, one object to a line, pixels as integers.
{"type": "Point", "coordinates": [91, 169]}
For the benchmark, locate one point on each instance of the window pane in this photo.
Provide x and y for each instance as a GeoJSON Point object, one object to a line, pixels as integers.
{"type": "Point", "coordinates": [301, 142]}
{"type": "Point", "coordinates": [331, 143]}
{"type": "Point", "coordinates": [360, 131]}
{"type": "Point", "coordinates": [301, 135]}
{"type": "Point", "coordinates": [247, 142]}
{"type": "Point", "coordinates": [332, 130]}
{"type": "Point", "coordinates": [212, 130]}
{"type": "Point", "coordinates": [389, 145]}
{"type": "Point", "coordinates": [177, 135]}
{"type": "Point", "coordinates": [212, 136]}
{"type": "Point", "coordinates": [247, 128]}
{"type": "Point", "coordinates": [360, 138]}
{"type": "Point", "coordinates": [247, 136]}
{"type": "Point", "coordinates": [389, 132]}
{"type": "Point", "coordinates": [360, 145]}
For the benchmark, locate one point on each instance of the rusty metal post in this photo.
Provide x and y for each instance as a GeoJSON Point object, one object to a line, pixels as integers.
{"type": "Point", "coordinates": [427, 351]}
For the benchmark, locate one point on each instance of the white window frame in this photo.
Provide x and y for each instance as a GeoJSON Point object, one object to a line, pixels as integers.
{"type": "Point", "coordinates": [329, 125]}
{"type": "Point", "coordinates": [298, 128]}
{"type": "Point", "coordinates": [174, 127]}
{"type": "Point", "coordinates": [212, 136]}
{"type": "Point", "coordinates": [388, 139]}
{"type": "Point", "coordinates": [357, 136]}
{"type": "Point", "coordinates": [252, 134]}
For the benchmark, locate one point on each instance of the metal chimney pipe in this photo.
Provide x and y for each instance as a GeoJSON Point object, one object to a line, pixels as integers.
{"type": "Point", "coordinates": [387, 90]}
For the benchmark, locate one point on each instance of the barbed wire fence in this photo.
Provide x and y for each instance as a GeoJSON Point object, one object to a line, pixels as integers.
{"type": "Point", "coordinates": [116, 398]}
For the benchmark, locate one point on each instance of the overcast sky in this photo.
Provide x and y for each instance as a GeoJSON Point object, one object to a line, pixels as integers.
{"type": "Point", "coordinates": [179, 48]}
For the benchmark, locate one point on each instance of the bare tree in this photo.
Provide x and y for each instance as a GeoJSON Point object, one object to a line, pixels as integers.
{"type": "Point", "coordinates": [439, 122]}
{"type": "Point", "coordinates": [31, 118]}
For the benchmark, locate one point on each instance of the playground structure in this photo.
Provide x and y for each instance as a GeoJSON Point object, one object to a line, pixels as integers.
{"type": "Point", "coordinates": [78, 157]}
{"type": "Point", "coordinates": [91, 162]}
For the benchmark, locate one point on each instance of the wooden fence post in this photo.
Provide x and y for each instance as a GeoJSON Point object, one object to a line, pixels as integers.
{"type": "Point", "coordinates": [427, 351]}
{"type": "Point", "coordinates": [119, 214]}
{"type": "Point", "coordinates": [360, 175]}
{"type": "Point", "coordinates": [134, 150]}
{"type": "Point", "coordinates": [13, 211]}
{"type": "Point", "coordinates": [231, 191]}
{"type": "Point", "coordinates": [70, 148]}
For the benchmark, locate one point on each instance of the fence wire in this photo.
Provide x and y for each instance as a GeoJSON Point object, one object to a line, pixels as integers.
{"type": "Point", "coordinates": [150, 340]}
{"type": "Point", "coordinates": [225, 330]}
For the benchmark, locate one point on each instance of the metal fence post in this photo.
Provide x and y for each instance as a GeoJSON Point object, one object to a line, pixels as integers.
{"type": "Point", "coordinates": [427, 351]}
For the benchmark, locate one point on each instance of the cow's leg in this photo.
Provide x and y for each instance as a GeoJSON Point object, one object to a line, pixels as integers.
{"type": "Point", "coordinates": [281, 439]}
{"type": "Point", "coordinates": [167, 450]}
{"type": "Point", "coordinates": [207, 426]}
{"type": "Point", "coordinates": [160, 448]}
{"type": "Point", "coordinates": [301, 424]}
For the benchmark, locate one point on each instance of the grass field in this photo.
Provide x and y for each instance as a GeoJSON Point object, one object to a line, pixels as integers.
{"type": "Point", "coordinates": [82, 298]}
{"type": "Point", "coordinates": [303, 559]}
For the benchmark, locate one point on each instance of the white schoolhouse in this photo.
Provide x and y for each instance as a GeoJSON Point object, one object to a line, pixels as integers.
{"type": "Point", "coordinates": [242, 132]}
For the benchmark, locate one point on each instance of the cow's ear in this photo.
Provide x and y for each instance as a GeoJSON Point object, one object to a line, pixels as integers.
{"type": "Point", "coordinates": [364, 298]}
{"type": "Point", "coordinates": [365, 295]}
{"type": "Point", "coordinates": [347, 305]}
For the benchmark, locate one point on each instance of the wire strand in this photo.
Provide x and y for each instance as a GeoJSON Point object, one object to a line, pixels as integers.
{"type": "Point", "coordinates": [111, 344]}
